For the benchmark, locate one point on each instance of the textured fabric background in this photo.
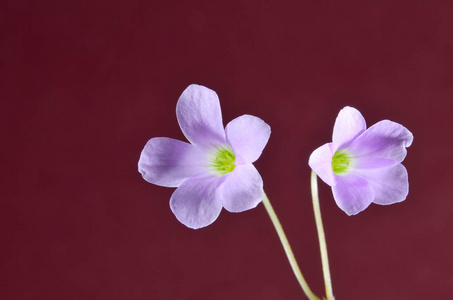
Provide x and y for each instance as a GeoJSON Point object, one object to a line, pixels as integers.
{"type": "Point", "coordinates": [84, 85]}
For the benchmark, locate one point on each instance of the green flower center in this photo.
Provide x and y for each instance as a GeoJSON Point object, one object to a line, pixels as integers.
{"type": "Point", "coordinates": [223, 160]}
{"type": "Point", "coordinates": [341, 162]}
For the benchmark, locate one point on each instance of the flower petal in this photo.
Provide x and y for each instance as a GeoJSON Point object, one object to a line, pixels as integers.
{"type": "Point", "coordinates": [352, 194]}
{"type": "Point", "coordinates": [321, 163]}
{"type": "Point", "coordinates": [247, 135]}
{"type": "Point", "coordinates": [242, 189]}
{"type": "Point", "coordinates": [385, 139]}
{"type": "Point", "coordinates": [168, 162]}
{"type": "Point", "coordinates": [373, 163]}
{"type": "Point", "coordinates": [390, 185]}
{"type": "Point", "coordinates": [348, 125]}
{"type": "Point", "coordinates": [195, 202]}
{"type": "Point", "coordinates": [200, 117]}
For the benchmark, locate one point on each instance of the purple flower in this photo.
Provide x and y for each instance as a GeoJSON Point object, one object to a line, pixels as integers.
{"type": "Point", "coordinates": [363, 165]}
{"type": "Point", "coordinates": [215, 170]}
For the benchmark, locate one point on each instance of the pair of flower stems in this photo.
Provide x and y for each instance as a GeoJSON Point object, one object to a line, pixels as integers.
{"type": "Point", "coordinates": [321, 237]}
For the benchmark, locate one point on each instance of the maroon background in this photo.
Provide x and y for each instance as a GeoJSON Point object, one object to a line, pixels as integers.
{"type": "Point", "coordinates": [85, 84]}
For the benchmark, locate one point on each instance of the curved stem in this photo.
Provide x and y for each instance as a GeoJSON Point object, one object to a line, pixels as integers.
{"type": "Point", "coordinates": [321, 236]}
{"type": "Point", "coordinates": [287, 247]}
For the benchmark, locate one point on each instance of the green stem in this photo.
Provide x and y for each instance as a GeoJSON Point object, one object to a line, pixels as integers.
{"type": "Point", "coordinates": [287, 247]}
{"type": "Point", "coordinates": [321, 236]}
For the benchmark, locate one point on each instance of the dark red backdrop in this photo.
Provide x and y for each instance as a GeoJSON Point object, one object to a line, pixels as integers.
{"type": "Point", "coordinates": [84, 85]}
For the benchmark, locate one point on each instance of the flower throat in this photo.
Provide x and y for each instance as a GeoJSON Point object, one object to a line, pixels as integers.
{"type": "Point", "coordinates": [341, 162]}
{"type": "Point", "coordinates": [223, 161]}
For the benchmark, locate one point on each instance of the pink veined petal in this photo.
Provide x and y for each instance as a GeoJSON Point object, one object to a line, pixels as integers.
{"type": "Point", "coordinates": [352, 194]}
{"type": "Point", "coordinates": [247, 135]}
{"type": "Point", "coordinates": [385, 139]}
{"type": "Point", "coordinates": [321, 163]}
{"type": "Point", "coordinates": [200, 117]}
{"type": "Point", "coordinates": [348, 125]}
{"type": "Point", "coordinates": [390, 185]}
{"type": "Point", "coordinates": [168, 162]}
{"type": "Point", "coordinates": [195, 202]}
{"type": "Point", "coordinates": [242, 189]}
